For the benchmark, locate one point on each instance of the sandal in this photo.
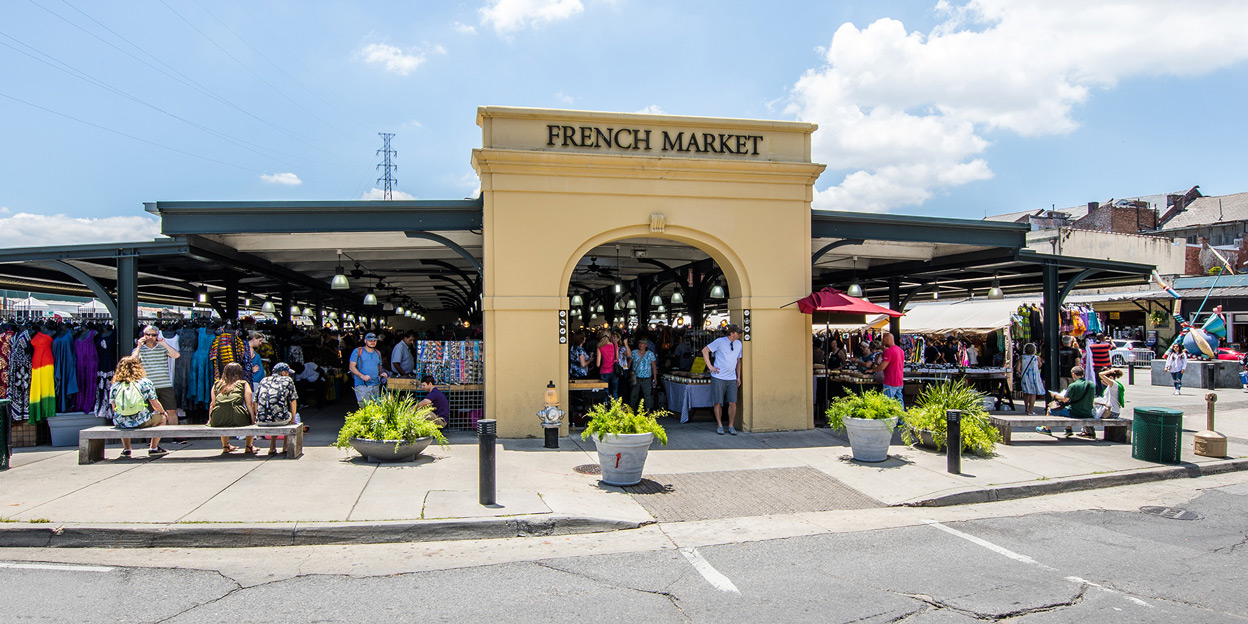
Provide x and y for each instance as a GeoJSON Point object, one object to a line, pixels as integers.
{"type": "Point", "coordinates": [228, 449]}
{"type": "Point", "coordinates": [251, 450]}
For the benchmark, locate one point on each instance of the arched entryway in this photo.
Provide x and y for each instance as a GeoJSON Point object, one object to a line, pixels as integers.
{"type": "Point", "coordinates": [557, 184]}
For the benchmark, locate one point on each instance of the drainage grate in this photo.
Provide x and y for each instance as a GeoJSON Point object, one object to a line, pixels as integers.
{"type": "Point", "coordinates": [1171, 513]}
{"type": "Point", "coordinates": [589, 469]}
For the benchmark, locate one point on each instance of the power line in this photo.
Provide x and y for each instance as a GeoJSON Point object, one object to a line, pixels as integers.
{"type": "Point", "coordinates": [388, 168]}
{"type": "Point", "coordinates": [128, 136]}
{"type": "Point", "coordinates": [185, 80]}
{"type": "Point", "coordinates": [69, 69]}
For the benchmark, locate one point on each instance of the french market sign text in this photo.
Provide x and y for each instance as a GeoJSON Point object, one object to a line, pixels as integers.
{"type": "Point", "coordinates": [637, 139]}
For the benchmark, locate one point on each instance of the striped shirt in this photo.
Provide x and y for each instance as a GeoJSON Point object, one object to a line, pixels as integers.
{"type": "Point", "coordinates": [1100, 355]}
{"type": "Point", "coordinates": [156, 365]}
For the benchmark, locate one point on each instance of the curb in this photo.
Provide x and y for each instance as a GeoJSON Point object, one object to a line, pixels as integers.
{"type": "Point", "coordinates": [239, 535]}
{"type": "Point", "coordinates": [1075, 484]}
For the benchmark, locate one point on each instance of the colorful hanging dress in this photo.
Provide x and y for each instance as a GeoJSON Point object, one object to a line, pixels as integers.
{"type": "Point", "coordinates": [5, 338]}
{"type": "Point", "coordinates": [19, 376]}
{"type": "Point", "coordinates": [200, 376]}
{"type": "Point", "coordinates": [87, 372]}
{"type": "Point", "coordinates": [66, 367]}
{"type": "Point", "coordinates": [42, 379]}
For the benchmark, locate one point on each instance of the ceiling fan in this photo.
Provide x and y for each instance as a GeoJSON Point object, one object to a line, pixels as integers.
{"type": "Point", "coordinates": [594, 269]}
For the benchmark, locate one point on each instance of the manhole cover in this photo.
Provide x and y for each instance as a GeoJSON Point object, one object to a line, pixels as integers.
{"type": "Point", "coordinates": [1171, 513]}
{"type": "Point", "coordinates": [590, 469]}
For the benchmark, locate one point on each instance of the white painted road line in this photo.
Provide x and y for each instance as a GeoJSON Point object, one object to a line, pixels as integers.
{"type": "Point", "coordinates": [708, 572]}
{"type": "Point", "coordinates": [55, 566]}
{"type": "Point", "coordinates": [1001, 550]}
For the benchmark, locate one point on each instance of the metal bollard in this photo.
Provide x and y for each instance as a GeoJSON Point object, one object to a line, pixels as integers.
{"type": "Point", "coordinates": [953, 440]}
{"type": "Point", "coordinates": [1131, 373]}
{"type": "Point", "coordinates": [487, 435]}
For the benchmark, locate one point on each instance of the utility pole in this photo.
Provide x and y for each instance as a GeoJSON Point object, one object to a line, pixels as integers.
{"type": "Point", "coordinates": [387, 166]}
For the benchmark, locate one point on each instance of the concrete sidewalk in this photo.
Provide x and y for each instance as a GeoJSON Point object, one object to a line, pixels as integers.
{"type": "Point", "coordinates": [195, 496]}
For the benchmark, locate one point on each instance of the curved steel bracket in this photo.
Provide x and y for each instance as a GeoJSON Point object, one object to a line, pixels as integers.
{"type": "Point", "coordinates": [450, 244]}
{"type": "Point", "coordinates": [94, 285]}
{"type": "Point", "coordinates": [1074, 281]}
{"type": "Point", "coordinates": [921, 289]}
{"type": "Point", "coordinates": [830, 246]}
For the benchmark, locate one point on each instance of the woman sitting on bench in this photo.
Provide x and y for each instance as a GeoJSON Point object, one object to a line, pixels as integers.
{"type": "Point", "coordinates": [231, 405]}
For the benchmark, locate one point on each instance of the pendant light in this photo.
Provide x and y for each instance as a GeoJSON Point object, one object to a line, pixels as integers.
{"type": "Point", "coordinates": [619, 285]}
{"type": "Point", "coordinates": [247, 303]}
{"type": "Point", "coordinates": [308, 311]}
{"type": "Point", "coordinates": [656, 300]}
{"type": "Point", "coordinates": [632, 304]}
{"type": "Point", "coordinates": [400, 310]}
{"type": "Point", "coordinates": [371, 298]}
{"type": "Point", "coordinates": [995, 292]}
{"type": "Point", "coordinates": [854, 289]}
{"type": "Point", "coordinates": [717, 292]}
{"type": "Point", "coordinates": [577, 301]}
{"type": "Point", "coordinates": [661, 308]}
{"type": "Point", "coordinates": [936, 290]}
{"type": "Point", "coordinates": [599, 308]}
{"type": "Point", "coordinates": [268, 308]}
{"type": "Point", "coordinates": [340, 276]}
{"type": "Point", "coordinates": [201, 295]}
{"type": "Point", "coordinates": [677, 298]}
{"type": "Point", "coordinates": [294, 310]}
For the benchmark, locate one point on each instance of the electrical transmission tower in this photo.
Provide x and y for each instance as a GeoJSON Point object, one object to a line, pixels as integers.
{"type": "Point", "coordinates": [387, 165]}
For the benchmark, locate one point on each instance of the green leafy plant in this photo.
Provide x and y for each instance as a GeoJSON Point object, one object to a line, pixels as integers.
{"type": "Point", "coordinates": [616, 417]}
{"type": "Point", "coordinates": [394, 416]}
{"type": "Point", "coordinates": [870, 405]}
{"type": "Point", "coordinates": [928, 414]}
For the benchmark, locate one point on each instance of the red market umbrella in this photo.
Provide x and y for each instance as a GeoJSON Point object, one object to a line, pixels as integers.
{"type": "Point", "coordinates": [832, 300]}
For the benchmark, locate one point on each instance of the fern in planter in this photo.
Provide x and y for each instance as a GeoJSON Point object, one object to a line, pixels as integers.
{"type": "Point", "coordinates": [928, 414]}
{"type": "Point", "coordinates": [871, 405]}
{"type": "Point", "coordinates": [616, 417]}
{"type": "Point", "coordinates": [393, 416]}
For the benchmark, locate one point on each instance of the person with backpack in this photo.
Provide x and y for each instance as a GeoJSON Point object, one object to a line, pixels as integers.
{"type": "Point", "coordinates": [135, 405]}
{"type": "Point", "coordinates": [366, 370]}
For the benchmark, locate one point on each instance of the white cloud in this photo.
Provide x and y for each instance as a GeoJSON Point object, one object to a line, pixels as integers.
{"type": "Point", "coordinates": [395, 61]}
{"type": "Point", "coordinates": [289, 179]}
{"type": "Point", "coordinates": [564, 99]}
{"type": "Point", "coordinates": [506, 16]}
{"type": "Point", "coordinates": [905, 113]}
{"type": "Point", "coordinates": [376, 193]}
{"type": "Point", "coordinates": [652, 109]}
{"type": "Point", "coordinates": [24, 229]}
{"type": "Point", "coordinates": [4, 210]}
{"type": "Point", "coordinates": [465, 29]}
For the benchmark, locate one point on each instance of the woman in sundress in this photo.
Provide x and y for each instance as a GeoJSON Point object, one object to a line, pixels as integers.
{"type": "Point", "coordinates": [1032, 382]}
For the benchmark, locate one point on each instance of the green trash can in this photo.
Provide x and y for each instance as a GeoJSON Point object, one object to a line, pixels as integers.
{"type": "Point", "coordinates": [1157, 434]}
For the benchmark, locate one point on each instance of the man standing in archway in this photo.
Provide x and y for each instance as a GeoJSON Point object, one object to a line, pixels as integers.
{"type": "Point", "coordinates": [725, 375]}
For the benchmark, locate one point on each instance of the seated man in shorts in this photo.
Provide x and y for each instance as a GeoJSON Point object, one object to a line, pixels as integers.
{"type": "Point", "coordinates": [277, 401]}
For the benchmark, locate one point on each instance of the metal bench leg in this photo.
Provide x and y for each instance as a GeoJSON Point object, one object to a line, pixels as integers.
{"type": "Point", "coordinates": [90, 451]}
{"type": "Point", "coordinates": [294, 444]}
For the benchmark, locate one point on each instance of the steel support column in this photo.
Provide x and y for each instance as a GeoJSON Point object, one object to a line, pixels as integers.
{"type": "Point", "coordinates": [1052, 326]}
{"type": "Point", "coordinates": [231, 299]}
{"type": "Point", "coordinates": [127, 303]}
{"type": "Point", "coordinates": [894, 303]}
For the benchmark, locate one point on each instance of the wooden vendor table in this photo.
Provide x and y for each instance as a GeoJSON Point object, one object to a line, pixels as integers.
{"type": "Point", "coordinates": [467, 400]}
{"type": "Point", "coordinates": [583, 393]}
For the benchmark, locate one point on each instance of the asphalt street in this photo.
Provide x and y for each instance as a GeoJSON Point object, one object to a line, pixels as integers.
{"type": "Point", "coordinates": [1090, 565]}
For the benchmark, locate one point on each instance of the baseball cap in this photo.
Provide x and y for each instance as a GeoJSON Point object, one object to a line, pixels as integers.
{"type": "Point", "coordinates": [281, 366]}
{"type": "Point", "coordinates": [370, 336]}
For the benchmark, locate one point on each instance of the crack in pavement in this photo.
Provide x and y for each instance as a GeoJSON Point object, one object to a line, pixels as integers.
{"type": "Point", "coordinates": [995, 617]}
{"type": "Point", "coordinates": [237, 588]}
{"type": "Point", "coordinates": [675, 601]}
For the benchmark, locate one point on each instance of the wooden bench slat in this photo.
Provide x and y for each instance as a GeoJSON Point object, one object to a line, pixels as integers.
{"type": "Point", "coordinates": [1116, 429]}
{"type": "Point", "coordinates": [91, 440]}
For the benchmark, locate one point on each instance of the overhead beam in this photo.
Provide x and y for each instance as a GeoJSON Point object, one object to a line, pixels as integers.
{"type": "Point", "coordinates": [96, 287]}
{"type": "Point", "coordinates": [317, 217]}
{"type": "Point", "coordinates": [450, 244]}
{"type": "Point", "coordinates": [909, 228]}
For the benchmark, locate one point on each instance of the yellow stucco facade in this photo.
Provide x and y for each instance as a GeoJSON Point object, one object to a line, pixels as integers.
{"type": "Point", "coordinates": [556, 184]}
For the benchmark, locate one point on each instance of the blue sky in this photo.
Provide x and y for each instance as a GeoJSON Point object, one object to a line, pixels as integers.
{"type": "Point", "coordinates": [948, 108]}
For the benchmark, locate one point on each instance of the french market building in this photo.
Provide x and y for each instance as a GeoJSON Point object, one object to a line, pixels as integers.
{"type": "Point", "coordinates": [560, 189]}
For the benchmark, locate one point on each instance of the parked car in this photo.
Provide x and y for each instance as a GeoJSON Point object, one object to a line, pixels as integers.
{"type": "Point", "coordinates": [1227, 353]}
{"type": "Point", "coordinates": [1124, 351]}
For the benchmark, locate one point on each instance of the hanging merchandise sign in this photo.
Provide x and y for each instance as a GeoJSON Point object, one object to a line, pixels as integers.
{"type": "Point", "coordinates": [563, 327]}
{"type": "Point", "coordinates": [745, 325]}
{"type": "Point", "coordinates": [1114, 316]}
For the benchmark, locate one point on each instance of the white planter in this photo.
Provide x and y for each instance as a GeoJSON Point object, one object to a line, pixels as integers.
{"type": "Point", "coordinates": [869, 439]}
{"type": "Point", "coordinates": [622, 456]}
{"type": "Point", "coordinates": [65, 427]}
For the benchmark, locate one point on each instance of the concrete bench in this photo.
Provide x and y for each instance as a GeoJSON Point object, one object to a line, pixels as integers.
{"type": "Point", "coordinates": [91, 441]}
{"type": "Point", "coordinates": [1116, 429]}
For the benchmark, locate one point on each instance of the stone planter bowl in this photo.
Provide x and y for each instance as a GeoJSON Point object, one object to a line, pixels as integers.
{"type": "Point", "coordinates": [384, 450]}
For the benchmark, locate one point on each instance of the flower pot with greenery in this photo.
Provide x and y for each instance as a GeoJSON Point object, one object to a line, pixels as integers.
{"type": "Point", "coordinates": [623, 439]}
{"type": "Point", "coordinates": [925, 423]}
{"type": "Point", "coordinates": [390, 428]}
{"type": "Point", "coordinates": [869, 418]}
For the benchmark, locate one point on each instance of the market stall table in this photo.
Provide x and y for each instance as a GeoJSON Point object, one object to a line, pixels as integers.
{"type": "Point", "coordinates": [686, 392]}
{"type": "Point", "coordinates": [583, 393]}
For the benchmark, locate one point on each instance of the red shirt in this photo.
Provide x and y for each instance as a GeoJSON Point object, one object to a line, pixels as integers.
{"type": "Point", "coordinates": [894, 371]}
{"type": "Point", "coordinates": [1100, 355]}
{"type": "Point", "coordinates": [608, 358]}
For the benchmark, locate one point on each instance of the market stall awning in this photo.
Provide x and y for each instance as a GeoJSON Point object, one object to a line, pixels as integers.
{"type": "Point", "coordinates": [832, 300]}
{"type": "Point", "coordinates": [972, 315]}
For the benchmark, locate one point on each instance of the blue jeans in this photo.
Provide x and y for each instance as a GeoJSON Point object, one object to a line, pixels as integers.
{"type": "Point", "coordinates": [1178, 380]}
{"type": "Point", "coordinates": [613, 384]}
{"type": "Point", "coordinates": [894, 392]}
{"type": "Point", "coordinates": [364, 394]}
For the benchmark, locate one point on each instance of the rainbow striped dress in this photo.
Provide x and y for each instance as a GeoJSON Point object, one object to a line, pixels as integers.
{"type": "Point", "coordinates": [42, 379]}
